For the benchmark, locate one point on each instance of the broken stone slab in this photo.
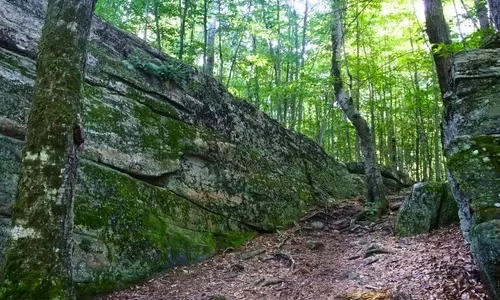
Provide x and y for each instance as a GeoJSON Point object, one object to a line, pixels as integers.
{"type": "Point", "coordinates": [429, 206]}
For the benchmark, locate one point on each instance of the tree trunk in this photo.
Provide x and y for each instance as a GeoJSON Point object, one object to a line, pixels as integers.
{"type": "Point", "coordinates": [221, 55]}
{"type": "Point", "coordinates": [482, 14]}
{"type": "Point", "coordinates": [146, 18]}
{"type": "Point", "coordinates": [458, 23]}
{"type": "Point", "coordinates": [300, 107]}
{"type": "Point", "coordinates": [437, 30]}
{"type": "Point", "coordinates": [183, 29]}
{"type": "Point", "coordinates": [233, 60]}
{"type": "Point", "coordinates": [211, 49]}
{"type": "Point", "coordinates": [372, 171]}
{"type": "Point", "coordinates": [38, 260]}
{"type": "Point", "coordinates": [495, 12]}
{"type": "Point", "coordinates": [437, 143]}
{"type": "Point", "coordinates": [157, 23]}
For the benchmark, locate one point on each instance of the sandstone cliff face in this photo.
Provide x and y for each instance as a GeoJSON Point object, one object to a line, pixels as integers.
{"type": "Point", "coordinates": [172, 167]}
{"type": "Point", "coordinates": [472, 145]}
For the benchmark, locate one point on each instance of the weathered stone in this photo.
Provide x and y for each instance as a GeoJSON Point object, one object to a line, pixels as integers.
{"type": "Point", "coordinates": [317, 225]}
{"type": "Point", "coordinates": [172, 166]}
{"type": "Point", "coordinates": [472, 144]}
{"type": "Point", "coordinates": [429, 206]}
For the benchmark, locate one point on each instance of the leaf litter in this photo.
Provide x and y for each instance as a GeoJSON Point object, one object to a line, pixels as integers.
{"type": "Point", "coordinates": [331, 254]}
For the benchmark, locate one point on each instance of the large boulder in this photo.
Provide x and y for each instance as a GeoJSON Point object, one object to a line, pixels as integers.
{"type": "Point", "coordinates": [430, 205]}
{"type": "Point", "coordinates": [173, 166]}
{"type": "Point", "coordinates": [472, 145]}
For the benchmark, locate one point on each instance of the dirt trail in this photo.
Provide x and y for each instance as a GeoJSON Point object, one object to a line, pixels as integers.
{"type": "Point", "coordinates": [328, 255]}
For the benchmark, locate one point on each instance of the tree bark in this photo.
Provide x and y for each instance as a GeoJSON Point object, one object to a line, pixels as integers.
{"type": "Point", "coordinates": [495, 12]}
{"type": "Point", "coordinates": [438, 33]}
{"type": "Point", "coordinates": [38, 260]}
{"type": "Point", "coordinates": [146, 18]}
{"type": "Point", "coordinates": [211, 48]}
{"type": "Point", "coordinates": [300, 107]}
{"type": "Point", "coordinates": [205, 34]}
{"type": "Point", "coordinates": [183, 29]}
{"type": "Point", "coordinates": [482, 14]}
{"type": "Point", "coordinates": [157, 23]}
{"type": "Point", "coordinates": [372, 171]}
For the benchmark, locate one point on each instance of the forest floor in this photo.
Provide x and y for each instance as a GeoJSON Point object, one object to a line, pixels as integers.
{"type": "Point", "coordinates": [328, 255]}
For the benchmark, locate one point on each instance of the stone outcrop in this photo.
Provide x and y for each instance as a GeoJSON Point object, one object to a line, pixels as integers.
{"type": "Point", "coordinates": [172, 166]}
{"type": "Point", "coordinates": [472, 145]}
{"type": "Point", "coordinates": [429, 206]}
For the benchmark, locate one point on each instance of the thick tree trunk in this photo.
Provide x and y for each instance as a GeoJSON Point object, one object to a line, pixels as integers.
{"type": "Point", "coordinates": [495, 12]}
{"type": "Point", "coordinates": [372, 171]}
{"type": "Point", "coordinates": [38, 261]}
{"type": "Point", "coordinates": [437, 30]}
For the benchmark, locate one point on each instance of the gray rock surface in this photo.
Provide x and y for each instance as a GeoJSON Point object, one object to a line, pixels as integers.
{"type": "Point", "coordinates": [172, 167]}
{"type": "Point", "coordinates": [472, 145]}
{"type": "Point", "coordinates": [429, 206]}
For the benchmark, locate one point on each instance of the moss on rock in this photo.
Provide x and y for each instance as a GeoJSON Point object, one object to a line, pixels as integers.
{"type": "Point", "coordinates": [141, 228]}
{"type": "Point", "coordinates": [428, 207]}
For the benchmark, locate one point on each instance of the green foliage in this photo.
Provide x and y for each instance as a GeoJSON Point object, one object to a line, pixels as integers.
{"type": "Point", "coordinates": [268, 53]}
{"type": "Point", "coordinates": [174, 71]}
{"type": "Point", "coordinates": [370, 209]}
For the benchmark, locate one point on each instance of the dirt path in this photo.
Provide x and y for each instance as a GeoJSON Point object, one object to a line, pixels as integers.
{"type": "Point", "coordinates": [329, 256]}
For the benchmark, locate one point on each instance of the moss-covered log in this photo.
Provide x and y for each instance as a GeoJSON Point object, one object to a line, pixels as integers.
{"type": "Point", "coordinates": [38, 261]}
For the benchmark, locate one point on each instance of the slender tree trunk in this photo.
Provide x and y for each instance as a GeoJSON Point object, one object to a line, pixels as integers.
{"type": "Point", "coordinates": [146, 19]}
{"type": "Point", "coordinates": [293, 103]}
{"type": "Point", "coordinates": [183, 29]}
{"type": "Point", "coordinates": [157, 23]}
{"type": "Point", "coordinates": [437, 143]}
{"type": "Point", "coordinates": [38, 260]}
{"type": "Point", "coordinates": [221, 55]}
{"type": "Point", "coordinates": [233, 60]}
{"type": "Point", "coordinates": [211, 49]}
{"type": "Point", "coordinates": [277, 68]}
{"type": "Point", "coordinates": [300, 107]}
{"type": "Point", "coordinates": [458, 23]}
{"type": "Point", "coordinates": [205, 34]}
{"type": "Point", "coordinates": [358, 78]}
{"type": "Point", "coordinates": [255, 74]}
{"type": "Point", "coordinates": [437, 30]}
{"type": "Point", "coordinates": [372, 171]}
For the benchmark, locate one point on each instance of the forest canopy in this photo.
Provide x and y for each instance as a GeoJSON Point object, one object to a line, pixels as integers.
{"type": "Point", "coordinates": [277, 55]}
